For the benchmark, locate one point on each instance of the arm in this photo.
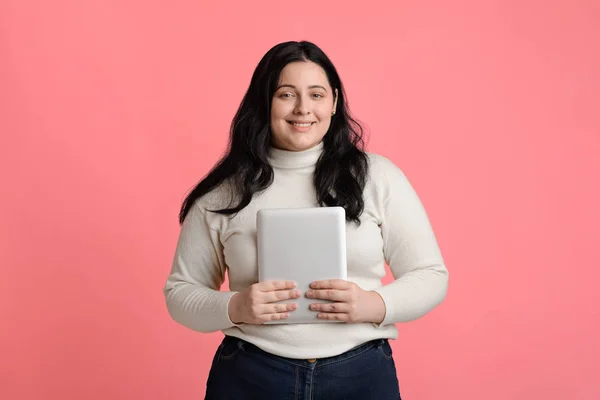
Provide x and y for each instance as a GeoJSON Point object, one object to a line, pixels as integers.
{"type": "Point", "coordinates": [192, 288]}
{"type": "Point", "coordinates": [410, 250]}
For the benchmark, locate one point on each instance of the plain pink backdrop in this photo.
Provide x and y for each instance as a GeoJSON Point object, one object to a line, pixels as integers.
{"type": "Point", "coordinates": [110, 111]}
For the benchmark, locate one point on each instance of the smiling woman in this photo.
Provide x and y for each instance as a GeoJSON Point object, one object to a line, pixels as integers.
{"type": "Point", "coordinates": [294, 144]}
{"type": "Point", "coordinates": [293, 82]}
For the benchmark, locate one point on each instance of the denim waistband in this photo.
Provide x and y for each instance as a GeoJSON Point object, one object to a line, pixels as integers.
{"type": "Point", "coordinates": [309, 363]}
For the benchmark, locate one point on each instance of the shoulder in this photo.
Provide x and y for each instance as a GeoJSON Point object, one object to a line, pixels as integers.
{"type": "Point", "coordinates": [220, 197]}
{"type": "Point", "coordinates": [382, 170]}
{"type": "Point", "coordinates": [200, 214]}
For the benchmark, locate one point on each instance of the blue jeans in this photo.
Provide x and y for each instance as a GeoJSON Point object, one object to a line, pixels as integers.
{"type": "Point", "coordinates": [242, 371]}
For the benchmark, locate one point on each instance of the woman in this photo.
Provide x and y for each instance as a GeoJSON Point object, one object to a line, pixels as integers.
{"type": "Point", "coordinates": [294, 144]}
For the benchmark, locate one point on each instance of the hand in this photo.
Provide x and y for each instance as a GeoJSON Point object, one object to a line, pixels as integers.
{"type": "Point", "coordinates": [253, 305]}
{"type": "Point", "coordinates": [350, 302]}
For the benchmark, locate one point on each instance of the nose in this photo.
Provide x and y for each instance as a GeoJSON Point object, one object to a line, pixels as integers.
{"type": "Point", "coordinates": [301, 108]}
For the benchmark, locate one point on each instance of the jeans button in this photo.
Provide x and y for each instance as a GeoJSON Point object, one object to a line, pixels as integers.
{"type": "Point", "coordinates": [312, 360]}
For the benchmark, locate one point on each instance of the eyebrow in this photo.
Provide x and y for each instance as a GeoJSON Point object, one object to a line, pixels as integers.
{"type": "Point", "coordinates": [294, 87]}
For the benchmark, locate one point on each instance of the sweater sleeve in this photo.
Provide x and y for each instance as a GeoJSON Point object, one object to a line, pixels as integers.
{"type": "Point", "coordinates": [410, 250]}
{"type": "Point", "coordinates": [197, 273]}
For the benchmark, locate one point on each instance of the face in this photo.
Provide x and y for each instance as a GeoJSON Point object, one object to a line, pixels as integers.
{"type": "Point", "coordinates": [302, 107]}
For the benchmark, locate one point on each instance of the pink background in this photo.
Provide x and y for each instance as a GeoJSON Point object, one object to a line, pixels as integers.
{"type": "Point", "coordinates": [110, 111]}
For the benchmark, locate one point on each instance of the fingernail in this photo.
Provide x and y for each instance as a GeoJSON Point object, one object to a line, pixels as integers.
{"type": "Point", "coordinates": [309, 293]}
{"type": "Point", "coordinates": [313, 307]}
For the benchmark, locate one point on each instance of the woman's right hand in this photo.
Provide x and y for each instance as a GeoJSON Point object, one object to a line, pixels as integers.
{"type": "Point", "coordinates": [254, 305]}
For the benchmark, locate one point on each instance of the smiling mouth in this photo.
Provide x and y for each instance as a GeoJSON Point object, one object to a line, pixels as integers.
{"type": "Point", "coordinates": [301, 124]}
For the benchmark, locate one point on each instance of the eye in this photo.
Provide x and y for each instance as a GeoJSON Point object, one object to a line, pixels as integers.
{"type": "Point", "coordinates": [317, 95]}
{"type": "Point", "coordinates": [285, 95]}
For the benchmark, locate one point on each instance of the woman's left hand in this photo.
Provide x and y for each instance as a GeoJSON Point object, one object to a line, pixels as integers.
{"type": "Point", "coordinates": [349, 303]}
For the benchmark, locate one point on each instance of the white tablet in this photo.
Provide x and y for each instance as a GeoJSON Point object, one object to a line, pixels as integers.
{"type": "Point", "coordinates": [302, 245]}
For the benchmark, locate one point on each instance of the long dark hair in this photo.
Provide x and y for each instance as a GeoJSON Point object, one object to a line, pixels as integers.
{"type": "Point", "coordinates": [341, 171]}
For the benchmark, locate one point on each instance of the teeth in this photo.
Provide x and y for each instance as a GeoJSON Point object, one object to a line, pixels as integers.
{"type": "Point", "coordinates": [303, 125]}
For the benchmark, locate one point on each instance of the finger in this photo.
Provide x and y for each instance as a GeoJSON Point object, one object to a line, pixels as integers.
{"type": "Point", "coordinates": [278, 295]}
{"type": "Point", "coordinates": [334, 316]}
{"type": "Point", "coordinates": [274, 317]}
{"type": "Point", "coordinates": [268, 286]}
{"type": "Point", "coordinates": [328, 294]}
{"type": "Point", "coordinates": [280, 308]}
{"type": "Point", "coordinates": [339, 284]}
{"type": "Point", "coordinates": [331, 307]}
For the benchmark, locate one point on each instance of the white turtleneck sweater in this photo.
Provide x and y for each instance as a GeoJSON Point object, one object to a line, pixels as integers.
{"type": "Point", "coordinates": [394, 230]}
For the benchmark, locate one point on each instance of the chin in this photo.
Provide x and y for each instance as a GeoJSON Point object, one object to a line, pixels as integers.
{"type": "Point", "coordinates": [301, 145]}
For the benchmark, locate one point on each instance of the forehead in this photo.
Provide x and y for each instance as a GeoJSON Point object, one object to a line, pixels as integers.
{"type": "Point", "coordinates": [303, 73]}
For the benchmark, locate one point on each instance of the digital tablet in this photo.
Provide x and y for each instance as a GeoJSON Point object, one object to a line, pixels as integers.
{"type": "Point", "coordinates": [302, 245]}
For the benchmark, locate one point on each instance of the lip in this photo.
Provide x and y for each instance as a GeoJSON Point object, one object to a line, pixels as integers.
{"type": "Point", "coordinates": [301, 128]}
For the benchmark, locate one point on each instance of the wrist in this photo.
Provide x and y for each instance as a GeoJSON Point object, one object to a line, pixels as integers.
{"type": "Point", "coordinates": [378, 308]}
{"type": "Point", "coordinates": [232, 309]}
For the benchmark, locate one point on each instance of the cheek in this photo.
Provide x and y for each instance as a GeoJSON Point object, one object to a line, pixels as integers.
{"type": "Point", "coordinates": [324, 115]}
{"type": "Point", "coordinates": [279, 111]}
{"type": "Point", "coordinates": [324, 110]}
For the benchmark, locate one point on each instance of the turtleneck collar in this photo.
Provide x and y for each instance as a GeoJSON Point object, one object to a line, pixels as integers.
{"type": "Point", "coordinates": [295, 159]}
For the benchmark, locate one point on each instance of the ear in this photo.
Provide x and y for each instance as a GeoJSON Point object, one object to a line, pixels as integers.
{"type": "Point", "coordinates": [335, 99]}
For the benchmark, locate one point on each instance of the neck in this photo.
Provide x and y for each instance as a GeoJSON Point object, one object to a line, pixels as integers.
{"type": "Point", "coordinates": [295, 159]}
